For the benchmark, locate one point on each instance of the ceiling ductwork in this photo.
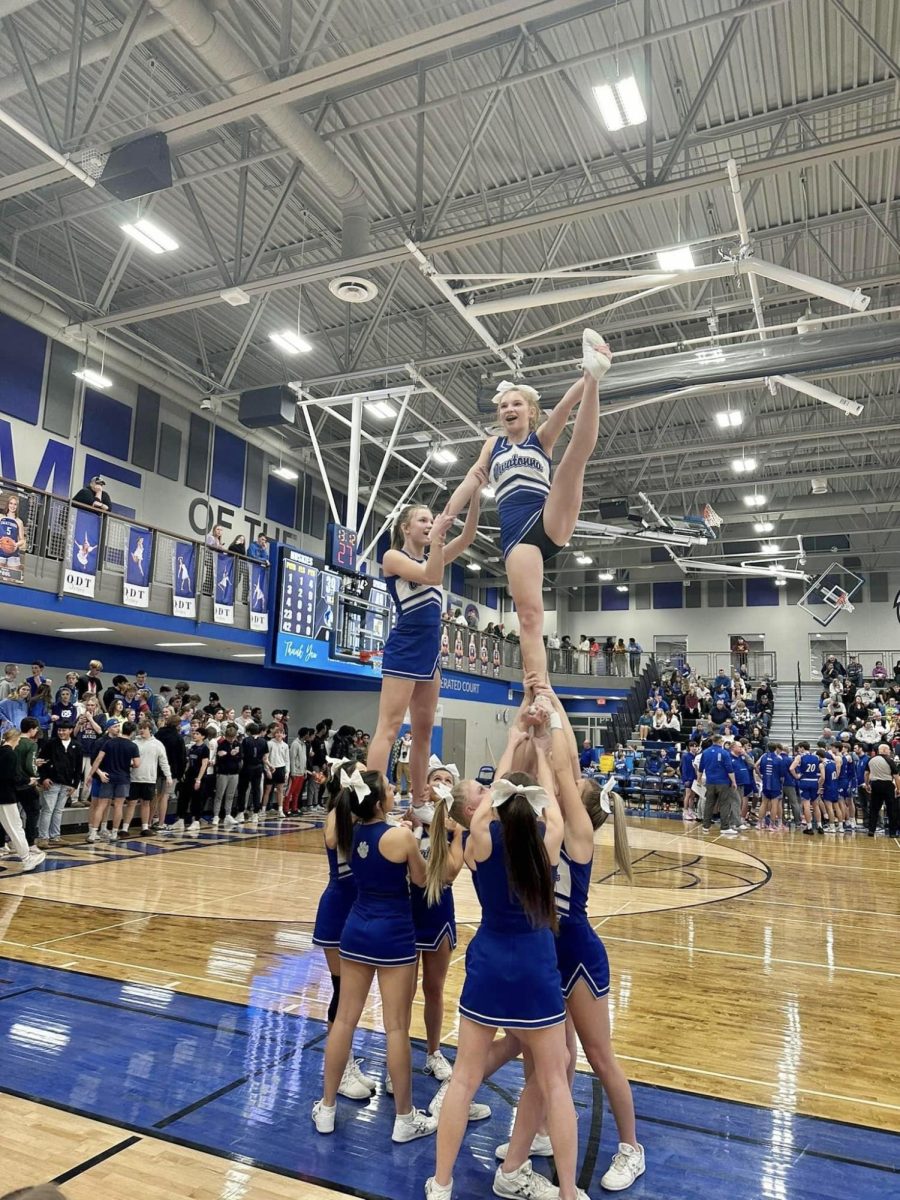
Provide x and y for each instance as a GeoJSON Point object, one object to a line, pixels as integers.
{"type": "Point", "coordinates": [202, 31]}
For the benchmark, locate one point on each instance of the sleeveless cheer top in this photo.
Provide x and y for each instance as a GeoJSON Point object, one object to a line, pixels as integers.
{"type": "Point", "coordinates": [520, 476]}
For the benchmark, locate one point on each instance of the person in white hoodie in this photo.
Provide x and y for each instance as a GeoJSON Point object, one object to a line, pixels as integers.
{"type": "Point", "coordinates": [153, 761]}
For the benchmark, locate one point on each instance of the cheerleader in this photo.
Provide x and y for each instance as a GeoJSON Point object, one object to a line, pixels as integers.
{"type": "Point", "coordinates": [378, 938]}
{"type": "Point", "coordinates": [537, 517]}
{"type": "Point", "coordinates": [331, 916]}
{"type": "Point", "coordinates": [512, 979]}
{"type": "Point", "coordinates": [582, 958]}
{"type": "Point", "coordinates": [410, 665]}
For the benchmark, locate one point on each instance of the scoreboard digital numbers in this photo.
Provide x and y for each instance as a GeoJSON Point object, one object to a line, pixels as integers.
{"type": "Point", "coordinates": [341, 542]}
{"type": "Point", "coordinates": [299, 587]}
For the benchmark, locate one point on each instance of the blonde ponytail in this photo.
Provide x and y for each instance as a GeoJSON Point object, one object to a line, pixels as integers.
{"type": "Point", "coordinates": [620, 836]}
{"type": "Point", "coordinates": [437, 862]}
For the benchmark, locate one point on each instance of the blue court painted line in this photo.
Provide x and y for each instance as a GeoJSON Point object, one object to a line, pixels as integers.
{"type": "Point", "coordinates": [239, 1081]}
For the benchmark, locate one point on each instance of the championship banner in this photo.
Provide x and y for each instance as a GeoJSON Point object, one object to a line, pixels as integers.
{"type": "Point", "coordinates": [259, 591]}
{"type": "Point", "coordinates": [81, 571]}
{"type": "Point", "coordinates": [12, 539]}
{"type": "Point", "coordinates": [223, 588]}
{"type": "Point", "coordinates": [184, 580]}
{"type": "Point", "coordinates": [138, 557]}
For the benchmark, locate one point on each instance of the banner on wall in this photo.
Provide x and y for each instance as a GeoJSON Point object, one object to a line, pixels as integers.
{"type": "Point", "coordinates": [138, 558]}
{"type": "Point", "coordinates": [223, 590]}
{"type": "Point", "coordinates": [12, 538]}
{"type": "Point", "coordinates": [184, 580]}
{"type": "Point", "coordinates": [81, 571]}
{"type": "Point", "coordinates": [259, 591]}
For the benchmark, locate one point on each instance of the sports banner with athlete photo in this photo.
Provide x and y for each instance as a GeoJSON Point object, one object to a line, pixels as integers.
{"type": "Point", "coordinates": [184, 580]}
{"type": "Point", "coordinates": [81, 569]}
{"type": "Point", "coordinates": [138, 558]}
{"type": "Point", "coordinates": [223, 588]}
{"type": "Point", "coordinates": [259, 592]}
{"type": "Point", "coordinates": [12, 539]}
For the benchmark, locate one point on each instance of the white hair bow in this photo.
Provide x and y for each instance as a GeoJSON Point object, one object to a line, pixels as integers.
{"type": "Point", "coordinates": [605, 793]}
{"type": "Point", "coordinates": [435, 764]}
{"type": "Point", "coordinates": [356, 783]}
{"type": "Point", "coordinates": [507, 385]}
{"type": "Point", "coordinates": [535, 795]}
{"type": "Point", "coordinates": [331, 763]}
{"type": "Point", "coordinates": [443, 792]}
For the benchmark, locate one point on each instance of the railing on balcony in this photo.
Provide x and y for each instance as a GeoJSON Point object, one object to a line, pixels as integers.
{"type": "Point", "coordinates": [869, 660]}
{"type": "Point", "coordinates": [47, 522]}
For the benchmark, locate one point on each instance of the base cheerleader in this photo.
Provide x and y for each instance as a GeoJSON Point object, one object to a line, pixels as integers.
{"type": "Point", "coordinates": [410, 668]}
{"type": "Point", "coordinates": [378, 938]}
{"type": "Point", "coordinates": [537, 515]}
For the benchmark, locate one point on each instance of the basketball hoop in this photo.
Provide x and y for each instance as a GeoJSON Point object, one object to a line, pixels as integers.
{"type": "Point", "coordinates": [710, 516]}
{"type": "Point", "coordinates": [837, 599]}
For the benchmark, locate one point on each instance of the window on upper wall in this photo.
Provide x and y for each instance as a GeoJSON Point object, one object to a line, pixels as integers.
{"type": "Point", "coordinates": [576, 601]}
{"type": "Point", "coordinates": [715, 593]}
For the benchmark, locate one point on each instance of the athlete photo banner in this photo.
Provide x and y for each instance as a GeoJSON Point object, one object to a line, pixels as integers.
{"type": "Point", "coordinates": [259, 592]}
{"type": "Point", "coordinates": [223, 588]}
{"type": "Point", "coordinates": [138, 560]}
{"type": "Point", "coordinates": [184, 580]}
{"type": "Point", "coordinates": [81, 568]}
{"type": "Point", "coordinates": [12, 539]}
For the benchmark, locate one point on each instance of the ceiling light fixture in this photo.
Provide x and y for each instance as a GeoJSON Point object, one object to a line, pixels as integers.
{"type": "Point", "coordinates": [620, 103]}
{"type": "Point", "coordinates": [289, 341]}
{"type": "Point", "coordinates": [473, 566]}
{"type": "Point", "coordinates": [86, 629]}
{"type": "Point", "coordinates": [741, 466]}
{"type": "Point", "coordinates": [621, 587]}
{"type": "Point", "coordinates": [781, 583]}
{"type": "Point", "coordinates": [606, 576]}
{"type": "Point", "coordinates": [94, 379]}
{"type": "Point", "coordinates": [168, 644]}
{"type": "Point", "coordinates": [443, 455]}
{"type": "Point", "coordinates": [284, 472]}
{"type": "Point", "coordinates": [755, 500]}
{"type": "Point", "coordinates": [256, 654]}
{"type": "Point", "coordinates": [680, 259]}
{"type": "Point", "coordinates": [235, 296]}
{"type": "Point", "coordinates": [382, 410]}
{"type": "Point", "coordinates": [770, 548]}
{"type": "Point", "coordinates": [729, 418]}
{"type": "Point", "coordinates": [150, 236]}
{"type": "Point", "coordinates": [763, 527]}
{"type": "Point", "coordinates": [583, 560]}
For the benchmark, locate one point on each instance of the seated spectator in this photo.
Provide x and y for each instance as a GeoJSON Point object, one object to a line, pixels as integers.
{"type": "Point", "coordinates": [870, 734]}
{"type": "Point", "coordinates": [855, 671]}
{"type": "Point", "coordinates": [832, 668]}
{"type": "Point", "coordinates": [588, 757]}
{"type": "Point", "coordinates": [645, 722]}
{"type": "Point", "coordinates": [836, 713]}
{"type": "Point", "coordinates": [659, 730]}
{"type": "Point", "coordinates": [879, 673]}
{"type": "Point", "coordinates": [720, 713]}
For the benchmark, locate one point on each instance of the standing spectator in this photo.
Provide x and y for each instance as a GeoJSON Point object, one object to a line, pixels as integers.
{"type": "Point", "coordinates": [93, 495]}
{"type": "Point", "coordinates": [10, 817]}
{"type": "Point", "coordinates": [279, 760]}
{"type": "Point", "coordinates": [596, 653]}
{"type": "Point", "coordinates": [214, 538]}
{"type": "Point", "coordinates": [173, 744]}
{"type": "Point", "coordinates": [91, 684]}
{"type": "Point", "coordinates": [228, 766]}
{"type": "Point", "coordinates": [620, 654]}
{"type": "Point", "coordinates": [609, 649]}
{"type": "Point", "coordinates": [881, 781]}
{"type": "Point", "coordinates": [37, 679]}
{"type": "Point", "coordinates": [298, 771]}
{"type": "Point", "coordinates": [64, 710]}
{"type": "Point", "coordinates": [40, 706]}
{"type": "Point", "coordinates": [634, 655]}
{"type": "Point", "coordinates": [89, 727]}
{"type": "Point", "coordinates": [8, 685]}
{"type": "Point", "coordinates": [259, 549]}
{"type": "Point", "coordinates": [26, 786]}
{"type": "Point", "coordinates": [115, 691]}
{"type": "Point", "coordinates": [60, 774]}
{"type": "Point", "coordinates": [153, 763]}
{"type": "Point", "coordinates": [403, 778]}
{"type": "Point", "coordinates": [112, 766]}
{"type": "Point", "coordinates": [740, 648]}
{"type": "Point", "coordinates": [588, 757]}
{"type": "Point", "coordinates": [855, 671]}
{"type": "Point", "coordinates": [191, 792]}
{"type": "Point", "coordinates": [14, 708]}
{"type": "Point", "coordinates": [584, 653]}
{"type": "Point", "coordinates": [553, 646]}
{"type": "Point", "coordinates": [254, 765]}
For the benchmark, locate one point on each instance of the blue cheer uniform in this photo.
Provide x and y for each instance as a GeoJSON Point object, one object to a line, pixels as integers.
{"type": "Point", "coordinates": [379, 928]}
{"type": "Point", "coordinates": [512, 976]}
{"type": "Point", "coordinates": [433, 922]}
{"type": "Point", "coordinates": [413, 648]}
{"type": "Point", "coordinates": [335, 902]}
{"type": "Point", "coordinates": [579, 951]}
{"type": "Point", "coordinates": [520, 476]}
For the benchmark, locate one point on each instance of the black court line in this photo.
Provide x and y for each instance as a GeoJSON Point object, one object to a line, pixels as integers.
{"type": "Point", "coordinates": [22, 992]}
{"type": "Point", "coordinates": [95, 1161]}
{"type": "Point", "coordinates": [133, 1011]}
{"type": "Point", "coordinates": [593, 1143]}
{"type": "Point", "coordinates": [236, 1083]}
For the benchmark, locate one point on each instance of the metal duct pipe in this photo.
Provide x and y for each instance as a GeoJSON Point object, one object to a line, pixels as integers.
{"type": "Point", "coordinates": [203, 32]}
{"type": "Point", "coordinates": [715, 367]}
{"type": "Point", "coordinates": [93, 51]}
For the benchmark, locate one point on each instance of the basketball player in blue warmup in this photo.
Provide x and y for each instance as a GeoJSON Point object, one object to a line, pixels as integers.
{"type": "Point", "coordinates": [848, 788]}
{"type": "Point", "coordinates": [771, 769]}
{"type": "Point", "coordinates": [410, 667]}
{"type": "Point", "coordinates": [537, 516]}
{"type": "Point", "coordinates": [807, 769]}
{"type": "Point", "coordinates": [688, 779]}
{"type": "Point", "coordinates": [830, 789]}
{"type": "Point", "coordinates": [378, 938]}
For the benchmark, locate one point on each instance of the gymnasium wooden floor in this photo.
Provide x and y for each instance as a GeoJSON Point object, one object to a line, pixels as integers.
{"type": "Point", "coordinates": [161, 1022]}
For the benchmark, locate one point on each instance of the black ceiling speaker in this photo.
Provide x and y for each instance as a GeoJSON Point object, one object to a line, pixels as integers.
{"type": "Point", "coordinates": [138, 167]}
{"type": "Point", "coordinates": [265, 406]}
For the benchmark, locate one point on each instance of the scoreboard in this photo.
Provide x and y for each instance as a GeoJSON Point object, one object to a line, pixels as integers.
{"type": "Point", "coordinates": [326, 618]}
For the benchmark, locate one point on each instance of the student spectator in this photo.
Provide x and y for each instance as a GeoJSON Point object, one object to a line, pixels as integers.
{"type": "Point", "coordinates": [64, 710]}
{"type": "Point", "coordinates": [190, 790]}
{"type": "Point", "coordinates": [59, 772]}
{"type": "Point", "coordinates": [154, 763]}
{"type": "Point", "coordinates": [93, 495]}
{"type": "Point", "coordinates": [115, 691]}
{"type": "Point", "coordinates": [254, 765]}
{"type": "Point", "coordinates": [90, 684]}
{"type": "Point", "coordinates": [214, 538]}
{"type": "Point", "coordinates": [238, 545]}
{"type": "Point", "coordinates": [173, 743]}
{"type": "Point", "coordinates": [8, 684]}
{"type": "Point", "coordinates": [14, 708]}
{"type": "Point", "coordinates": [10, 818]}
{"type": "Point", "coordinates": [89, 727]}
{"type": "Point", "coordinates": [26, 785]}
{"type": "Point", "coordinates": [297, 767]}
{"type": "Point", "coordinates": [259, 550]}
{"type": "Point", "coordinates": [112, 766]}
{"type": "Point", "coordinates": [634, 655]}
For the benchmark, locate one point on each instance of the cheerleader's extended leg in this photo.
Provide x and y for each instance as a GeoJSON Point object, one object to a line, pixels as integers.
{"type": "Point", "coordinates": [422, 707]}
{"type": "Point", "coordinates": [435, 964]}
{"type": "Point", "coordinates": [564, 502]}
{"type": "Point", "coordinates": [392, 705]}
{"type": "Point", "coordinates": [472, 1052]}
{"type": "Point", "coordinates": [525, 576]}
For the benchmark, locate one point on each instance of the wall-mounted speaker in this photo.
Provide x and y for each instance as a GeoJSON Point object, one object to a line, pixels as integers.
{"type": "Point", "coordinates": [267, 406]}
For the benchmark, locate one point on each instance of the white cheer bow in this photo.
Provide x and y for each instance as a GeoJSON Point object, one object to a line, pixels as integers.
{"type": "Point", "coordinates": [332, 763]}
{"type": "Point", "coordinates": [535, 795]}
{"type": "Point", "coordinates": [356, 783]}
{"type": "Point", "coordinates": [435, 764]}
{"type": "Point", "coordinates": [443, 792]}
{"type": "Point", "coordinates": [608, 787]}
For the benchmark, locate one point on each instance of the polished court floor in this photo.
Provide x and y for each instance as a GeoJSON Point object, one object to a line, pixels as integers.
{"type": "Point", "coordinates": [162, 1023]}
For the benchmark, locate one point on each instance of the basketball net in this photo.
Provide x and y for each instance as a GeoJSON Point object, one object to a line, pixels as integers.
{"type": "Point", "coordinates": [710, 516]}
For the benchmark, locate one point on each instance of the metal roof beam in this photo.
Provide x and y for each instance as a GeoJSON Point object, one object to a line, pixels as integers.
{"type": "Point", "coordinates": [34, 92]}
{"type": "Point", "coordinates": [872, 42]}
{"type": "Point", "coordinates": [112, 72]}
